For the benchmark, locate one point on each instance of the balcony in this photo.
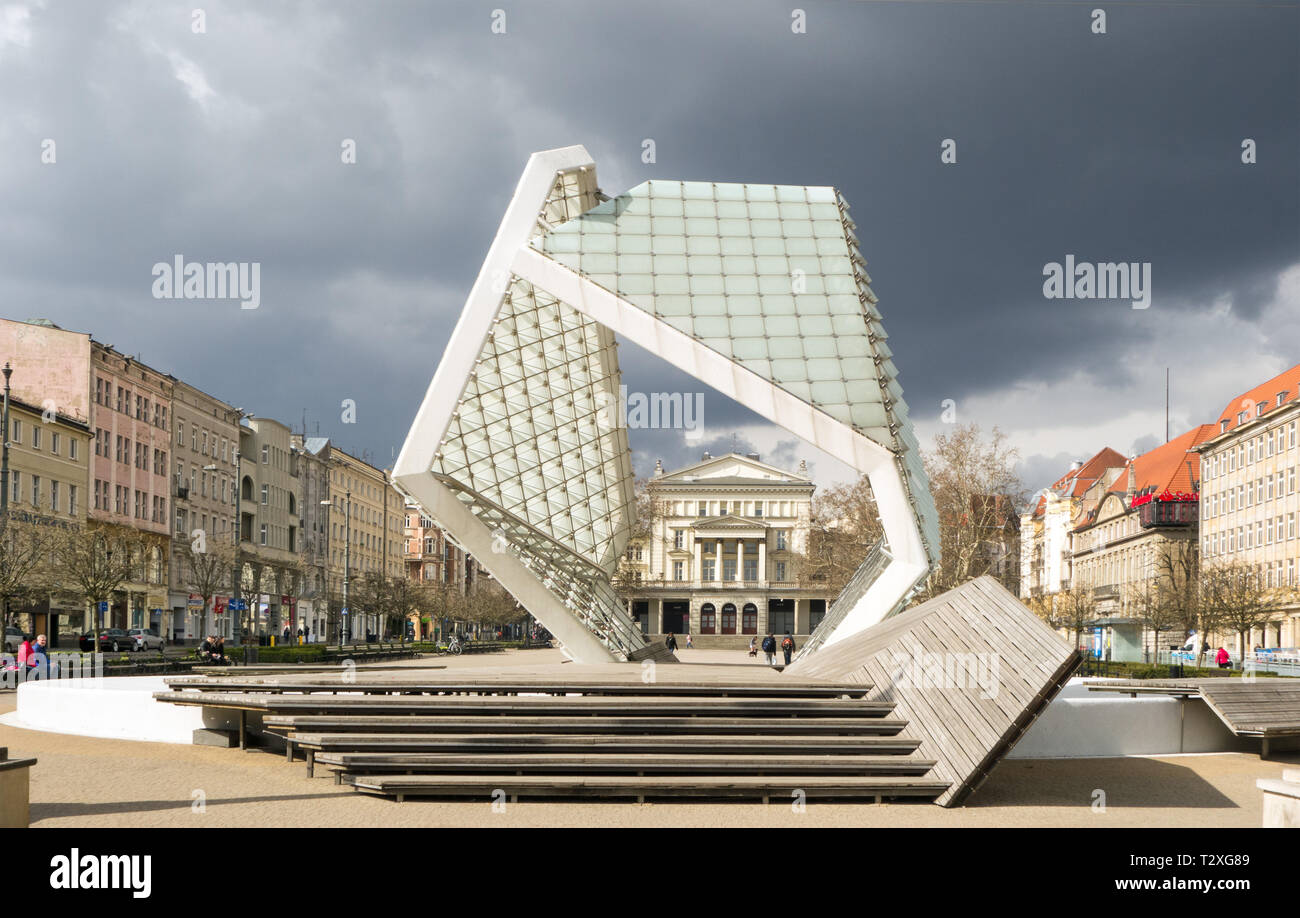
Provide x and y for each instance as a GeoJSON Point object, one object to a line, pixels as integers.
{"type": "Point", "coordinates": [1158, 513]}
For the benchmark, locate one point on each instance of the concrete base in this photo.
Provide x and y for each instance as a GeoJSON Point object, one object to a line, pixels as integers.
{"type": "Point", "coordinates": [1281, 800]}
{"type": "Point", "coordinates": [224, 739]}
{"type": "Point", "coordinates": [1079, 723]}
{"type": "Point", "coordinates": [15, 780]}
{"type": "Point", "coordinates": [116, 708]}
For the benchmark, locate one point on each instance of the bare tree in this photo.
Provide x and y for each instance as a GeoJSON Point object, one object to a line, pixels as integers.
{"type": "Point", "coordinates": [94, 562]}
{"type": "Point", "coordinates": [1076, 606]}
{"type": "Point", "coordinates": [25, 571]}
{"type": "Point", "coordinates": [845, 527]}
{"type": "Point", "coordinates": [1235, 597]}
{"type": "Point", "coordinates": [207, 571]}
{"type": "Point", "coordinates": [976, 491]}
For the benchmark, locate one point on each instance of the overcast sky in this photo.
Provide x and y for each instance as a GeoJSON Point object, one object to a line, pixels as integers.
{"type": "Point", "coordinates": [224, 145]}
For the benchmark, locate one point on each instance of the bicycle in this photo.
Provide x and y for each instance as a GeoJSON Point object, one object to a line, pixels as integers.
{"type": "Point", "coordinates": [453, 647]}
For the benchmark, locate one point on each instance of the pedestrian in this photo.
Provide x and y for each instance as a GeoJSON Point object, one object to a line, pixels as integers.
{"type": "Point", "coordinates": [286, 634]}
{"type": "Point", "coordinates": [689, 645]}
{"type": "Point", "coordinates": [753, 646]}
{"type": "Point", "coordinates": [671, 642]}
{"type": "Point", "coordinates": [769, 649]}
{"type": "Point", "coordinates": [787, 647]}
{"type": "Point", "coordinates": [1224, 659]}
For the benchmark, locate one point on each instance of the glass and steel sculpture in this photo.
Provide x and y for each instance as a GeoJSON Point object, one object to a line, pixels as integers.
{"type": "Point", "coordinates": [758, 291]}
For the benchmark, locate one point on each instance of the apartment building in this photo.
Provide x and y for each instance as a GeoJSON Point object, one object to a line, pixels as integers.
{"type": "Point", "coordinates": [1045, 531]}
{"type": "Point", "coordinates": [1250, 503]}
{"type": "Point", "coordinates": [366, 507]}
{"type": "Point", "coordinates": [269, 524]}
{"type": "Point", "coordinates": [1148, 512]}
{"type": "Point", "coordinates": [205, 451]}
{"type": "Point", "coordinates": [49, 466]}
{"type": "Point", "coordinates": [315, 610]}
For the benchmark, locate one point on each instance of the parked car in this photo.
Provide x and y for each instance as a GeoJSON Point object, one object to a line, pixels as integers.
{"type": "Point", "coordinates": [146, 639]}
{"type": "Point", "coordinates": [111, 639]}
{"type": "Point", "coordinates": [13, 639]}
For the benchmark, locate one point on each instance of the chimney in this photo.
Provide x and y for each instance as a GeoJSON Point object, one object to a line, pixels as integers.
{"type": "Point", "coordinates": [1131, 491]}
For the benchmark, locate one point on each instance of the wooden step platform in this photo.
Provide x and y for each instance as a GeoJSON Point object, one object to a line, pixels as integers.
{"type": "Point", "coordinates": [969, 670]}
{"type": "Point", "coordinates": [734, 726]}
{"type": "Point", "coordinates": [519, 706]}
{"type": "Point", "coordinates": [713, 744]}
{"type": "Point", "coordinates": [633, 764]}
{"type": "Point", "coordinates": [488, 687]}
{"type": "Point", "coordinates": [497, 787]}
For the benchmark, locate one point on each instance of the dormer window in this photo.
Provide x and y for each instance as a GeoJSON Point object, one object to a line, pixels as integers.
{"type": "Point", "coordinates": [1281, 397]}
{"type": "Point", "coordinates": [1223, 426]}
{"type": "Point", "coordinates": [1260, 409]}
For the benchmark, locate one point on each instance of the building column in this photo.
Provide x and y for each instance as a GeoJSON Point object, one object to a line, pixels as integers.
{"type": "Point", "coordinates": [800, 613]}
{"type": "Point", "coordinates": [697, 575]}
{"type": "Point", "coordinates": [657, 618]}
{"type": "Point", "coordinates": [762, 559]}
{"type": "Point", "coordinates": [717, 560]}
{"type": "Point", "coordinates": [740, 563]}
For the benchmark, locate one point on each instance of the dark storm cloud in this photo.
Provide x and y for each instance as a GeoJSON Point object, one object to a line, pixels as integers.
{"type": "Point", "coordinates": [225, 146]}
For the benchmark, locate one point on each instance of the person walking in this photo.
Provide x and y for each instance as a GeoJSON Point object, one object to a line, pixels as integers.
{"type": "Point", "coordinates": [787, 647]}
{"type": "Point", "coordinates": [671, 642]}
{"type": "Point", "coordinates": [1224, 659]}
{"type": "Point", "coordinates": [689, 645]}
{"type": "Point", "coordinates": [769, 649]}
{"type": "Point", "coordinates": [753, 646]}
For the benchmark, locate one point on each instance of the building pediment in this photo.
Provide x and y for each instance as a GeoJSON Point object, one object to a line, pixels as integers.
{"type": "Point", "coordinates": [728, 523]}
{"type": "Point", "coordinates": [731, 469]}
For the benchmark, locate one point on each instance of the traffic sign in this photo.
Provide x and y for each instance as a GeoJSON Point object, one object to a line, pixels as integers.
{"type": "Point", "coordinates": [103, 606]}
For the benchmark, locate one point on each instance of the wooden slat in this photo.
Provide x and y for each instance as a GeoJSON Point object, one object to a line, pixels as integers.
{"type": "Point", "coordinates": [485, 786]}
{"type": "Point", "coordinates": [794, 726]}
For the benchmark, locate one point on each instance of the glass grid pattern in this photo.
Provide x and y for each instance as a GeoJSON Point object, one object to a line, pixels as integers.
{"type": "Point", "coordinates": [770, 276]}
{"type": "Point", "coordinates": [529, 449]}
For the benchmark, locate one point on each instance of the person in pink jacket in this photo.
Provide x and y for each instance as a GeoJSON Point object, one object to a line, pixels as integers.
{"type": "Point", "coordinates": [1223, 658]}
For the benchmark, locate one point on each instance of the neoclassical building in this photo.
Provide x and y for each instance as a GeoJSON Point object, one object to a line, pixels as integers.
{"type": "Point", "coordinates": [723, 553]}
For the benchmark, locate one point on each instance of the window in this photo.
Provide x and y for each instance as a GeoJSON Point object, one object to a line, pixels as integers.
{"type": "Point", "coordinates": [266, 454]}
{"type": "Point", "coordinates": [679, 570]}
{"type": "Point", "coordinates": [72, 448]}
{"type": "Point", "coordinates": [54, 443]}
{"type": "Point", "coordinates": [36, 491]}
{"type": "Point", "coordinates": [54, 496]}
{"type": "Point", "coordinates": [781, 540]}
{"type": "Point", "coordinates": [180, 433]}
{"type": "Point", "coordinates": [264, 494]}
{"type": "Point", "coordinates": [264, 533]}
{"type": "Point", "coordinates": [707, 570]}
{"type": "Point", "coordinates": [751, 569]}
{"type": "Point", "coordinates": [780, 571]}
{"type": "Point", "coordinates": [36, 437]}
{"type": "Point", "coordinates": [758, 509]}
{"type": "Point", "coordinates": [180, 521]}
{"type": "Point", "coordinates": [679, 538]}
{"type": "Point", "coordinates": [728, 568]}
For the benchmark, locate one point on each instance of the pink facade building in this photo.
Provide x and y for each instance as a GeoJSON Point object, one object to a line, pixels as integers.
{"type": "Point", "coordinates": [128, 407]}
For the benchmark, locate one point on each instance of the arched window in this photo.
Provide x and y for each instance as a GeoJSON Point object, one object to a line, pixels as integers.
{"type": "Point", "coordinates": [246, 489]}
{"type": "Point", "coordinates": [708, 619]}
{"type": "Point", "coordinates": [728, 619]}
{"type": "Point", "coordinates": [749, 619]}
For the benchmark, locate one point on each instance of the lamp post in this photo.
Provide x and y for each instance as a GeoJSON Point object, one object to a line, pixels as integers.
{"type": "Point", "coordinates": [4, 471]}
{"type": "Point", "coordinates": [347, 558]}
{"type": "Point", "coordinates": [4, 462]}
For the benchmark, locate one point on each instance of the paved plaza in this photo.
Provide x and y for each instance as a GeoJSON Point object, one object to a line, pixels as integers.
{"type": "Point", "coordinates": [95, 782]}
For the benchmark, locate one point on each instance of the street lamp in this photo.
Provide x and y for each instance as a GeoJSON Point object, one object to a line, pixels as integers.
{"type": "Point", "coordinates": [4, 462]}
{"type": "Point", "coordinates": [347, 558]}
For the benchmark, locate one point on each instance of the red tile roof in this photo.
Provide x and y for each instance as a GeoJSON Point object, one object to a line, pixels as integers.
{"type": "Point", "coordinates": [1077, 481]}
{"type": "Point", "coordinates": [1172, 466]}
{"type": "Point", "coordinates": [1287, 384]}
